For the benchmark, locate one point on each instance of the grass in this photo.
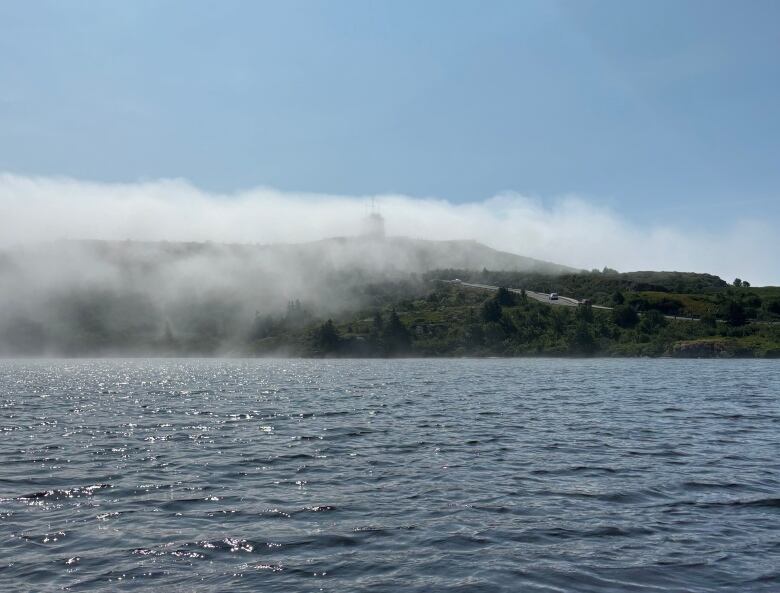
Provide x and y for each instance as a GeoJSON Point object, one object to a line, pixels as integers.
{"type": "Point", "coordinates": [691, 305]}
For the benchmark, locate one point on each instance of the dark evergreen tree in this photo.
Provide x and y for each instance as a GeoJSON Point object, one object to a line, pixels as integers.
{"type": "Point", "coordinates": [491, 311]}
{"type": "Point", "coordinates": [735, 314]}
{"type": "Point", "coordinates": [585, 312]}
{"type": "Point", "coordinates": [378, 324]}
{"type": "Point", "coordinates": [505, 298]}
{"type": "Point", "coordinates": [395, 337]}
{"type": "Point", "coordinates": [583, 341]}
{"type": "Point", "coordinates": [328, 338]}
{"type": "Point", "coordinates": [625, 316]}
{"type": "Point", "coordinates": [652, 321]}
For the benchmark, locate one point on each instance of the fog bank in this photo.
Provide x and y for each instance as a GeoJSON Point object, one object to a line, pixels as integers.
{"type": "Point", "coordinates": [570, 231]}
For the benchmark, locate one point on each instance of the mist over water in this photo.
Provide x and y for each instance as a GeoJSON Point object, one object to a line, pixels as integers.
{"type": "Point", "coordinates": [127, 297]}
{"type": "Point", "coordinates": [422, 476]}
{"type": "Point", "coordinates": [111, 269]}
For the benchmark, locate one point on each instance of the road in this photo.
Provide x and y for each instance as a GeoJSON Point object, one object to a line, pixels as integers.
{"type": "Point", "coordinates": [563, 301]}
{"type": "Point", "coordinates": [543, 297]}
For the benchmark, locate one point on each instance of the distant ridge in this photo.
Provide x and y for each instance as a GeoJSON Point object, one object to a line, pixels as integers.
{"type": "Point", "coordinates": [380, 255]}
{"type": "Point", "coordinates": [77, 297]}
{"type": "Point", "coordinates": [421, 255]}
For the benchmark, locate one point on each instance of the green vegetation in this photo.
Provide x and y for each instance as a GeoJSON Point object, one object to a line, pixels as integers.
{"type": "Point", "coordinates": [595, 285]}
{"type": "Point", "coordinates": [648, 314]}
{"type": "Point", "coordinates": [683, 294]}
{"type": "Point", "coordinates": [453, 320]}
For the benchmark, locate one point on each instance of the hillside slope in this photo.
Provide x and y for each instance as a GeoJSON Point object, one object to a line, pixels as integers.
{"type": "Point", "coordinates": [70, 297]}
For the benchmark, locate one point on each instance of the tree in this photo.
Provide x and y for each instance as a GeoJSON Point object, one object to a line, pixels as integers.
{"type": "Point", "coordinates": [583, 341]}
{"type": "Point", "coordinates": [709, 320]}
{"type": "Point", "coordinates": [296, 315]}
{"type": "Point", "coordinates": [585, 312]}
{"type": "Point", "coordinates": [735, 314]}
{"type": "Point", "coordinates": [491, 311]}
{"type": "Point", "coordinates": [494, 334]}
{"type": "Point", "coordinates": [262, 327]}
{"type": "Point", "coordinates": [618, 298]}
{"type": "Point", "coordinates": [395, 336]}
{"type": "Point", "coordinates": [652, 321]}
{"type": "Point", "coordinates": [625, 316]}
{"type": "Point", "coordinates": [378, 325]}
{"type": "Point", "coordinates": [328, 338]}
{"type": "Point", "coordinates": [505, 298]}
{"type": "Point", "coordinates": [745, 284]}
{"type": "Point", "coordinates": [737, 282]}
{"type": "Point", "coordinates": [473, 335]}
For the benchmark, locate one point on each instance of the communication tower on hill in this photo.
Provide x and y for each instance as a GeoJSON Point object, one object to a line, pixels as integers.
{"type": "Point", "coordinates": [375, 222]}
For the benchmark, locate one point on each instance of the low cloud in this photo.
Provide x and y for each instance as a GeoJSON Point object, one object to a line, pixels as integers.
{"type": "Point", "coordinates": [571, 231]}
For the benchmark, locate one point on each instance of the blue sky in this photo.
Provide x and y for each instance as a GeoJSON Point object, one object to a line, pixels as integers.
{"type": "Point", "coordinates": [659, 110]}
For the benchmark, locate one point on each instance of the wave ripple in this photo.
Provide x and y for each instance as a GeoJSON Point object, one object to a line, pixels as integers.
{"type": "Point", "coordinates": [417, 476]}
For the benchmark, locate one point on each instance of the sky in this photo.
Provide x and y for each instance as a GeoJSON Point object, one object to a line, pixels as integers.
{"type": "Point", "coordinates": [663, 117]}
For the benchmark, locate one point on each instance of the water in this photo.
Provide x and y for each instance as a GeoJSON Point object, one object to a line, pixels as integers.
{"type": "Point", "coordinates": [422, 475]}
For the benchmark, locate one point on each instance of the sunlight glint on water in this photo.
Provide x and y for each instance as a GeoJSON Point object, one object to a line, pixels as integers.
{"type": "Point", "coordinates": [420, 475]}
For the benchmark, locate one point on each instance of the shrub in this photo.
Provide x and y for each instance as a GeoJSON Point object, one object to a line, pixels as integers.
{"type": "Point", "coordinates": [625, 316]}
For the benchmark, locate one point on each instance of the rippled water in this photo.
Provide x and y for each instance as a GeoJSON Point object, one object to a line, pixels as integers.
{"type": "Point", "coordinates": [415, 475]}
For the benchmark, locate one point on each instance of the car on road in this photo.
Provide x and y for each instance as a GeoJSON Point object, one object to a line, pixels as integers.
{"type": "Point", "coordinates": [553, 296]}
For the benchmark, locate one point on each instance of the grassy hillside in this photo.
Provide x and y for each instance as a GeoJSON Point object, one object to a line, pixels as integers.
{"type": "Point", "coordinates": [453, 320]}
{"type": "Point", "coordinates": [672, 293]}
{"type": "Point", "coordinates": [119, 298]}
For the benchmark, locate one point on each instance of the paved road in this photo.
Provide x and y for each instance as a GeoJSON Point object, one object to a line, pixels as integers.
{"type": "Point", "coordinates": [543, 297]}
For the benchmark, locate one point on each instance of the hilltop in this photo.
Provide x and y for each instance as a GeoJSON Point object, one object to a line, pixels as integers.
{"type": "Point", "coordinates": [377, 256]}
{"type": "Point", "coordinates": [409, 255]}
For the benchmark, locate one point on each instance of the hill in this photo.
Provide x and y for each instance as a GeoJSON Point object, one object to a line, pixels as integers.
{"type": "Point", "coordinates": [80, 297]}
{"type": "Point", "coordinates": [458, 320]}
{"type": "Point", "coordinates": [408, 255]}
{"type": "Point", "coordinates": [359, 297]}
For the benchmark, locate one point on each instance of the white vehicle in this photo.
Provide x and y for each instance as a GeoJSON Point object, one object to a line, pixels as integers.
{"type": "Point", "coordinates": [457, 281]}
{"type": "Point", "coordinates": [553, 296]}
